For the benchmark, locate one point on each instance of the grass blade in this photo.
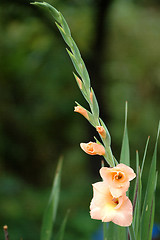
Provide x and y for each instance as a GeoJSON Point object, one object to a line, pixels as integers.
{"type": "Point", "coordinates": [144, 156]}
{"type": "Point", "coordinates": [137, 200]}
{"type": "Point", "coordinates": [149, 196]}
{"type": "Point", "coordinates": [124, 158]}
{"type": "Point", "coordinates": [125, 154]}
{"type": "Point", "coordinates": [51, 209]}
{"type": "Point", "coordinates": [63, 226]}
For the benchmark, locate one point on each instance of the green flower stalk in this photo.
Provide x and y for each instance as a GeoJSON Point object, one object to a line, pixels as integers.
{"type": "Point", "coordinates": [82, 79]}
{"type": "Point", "coordinates": [110, 202]}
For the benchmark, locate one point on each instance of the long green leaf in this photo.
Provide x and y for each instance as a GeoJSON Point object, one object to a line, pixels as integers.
{"type": "Point", "coordinates": [152, 211]}
{"type": "Point", "coordinates": [144, 156]}
{"type": "Point", "coordinates": [137, 179]}
{"type": "Point", "coordinates": [124, 158]}
{"type": "Point", "coordinates": [125, 153]}
{"type": "Point", "coordinates": [138, 193]}
{"type": "Point", "coordinates": [132, 232]}
{"type": "Point", "coordinates": [51, 209]}
{"type": "Point", "coordinates": [63, 226]}
{"type": "Point", "coordinates": [121, 233]}
{"type": "Point", "coordinates": [137, 200]}
{"type": "Point", "coordinates": [151, 218]}
{"type": "Point", "coordinates": [149, 195]}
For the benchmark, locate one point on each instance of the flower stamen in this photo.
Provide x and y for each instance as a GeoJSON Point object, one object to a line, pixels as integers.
{"type": "Point", "coordinates": [118, 176]}
{"type": "Point", "coordinates": [115, 200]}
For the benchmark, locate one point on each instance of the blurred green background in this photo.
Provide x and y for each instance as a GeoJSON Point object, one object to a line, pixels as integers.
{"type": "Point", "coordinates": [120, 44]}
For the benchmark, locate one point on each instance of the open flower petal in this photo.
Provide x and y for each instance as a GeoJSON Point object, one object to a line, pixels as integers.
{"type": "Point", "coordinates": [107, 208]}
{"type": "Point", "coordinates": [118, 178]}
{"type": "Point", "coordinates": [123, 215]}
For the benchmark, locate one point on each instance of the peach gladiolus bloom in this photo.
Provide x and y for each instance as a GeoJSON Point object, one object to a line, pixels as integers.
{"type": "Point", "coordinates": [82, 111]}
{"type": "Point", "coordinates": [101, 131]}
{"type": "Point", "coordinates": [93, 148]}
{"type": "Point", "coordinates": [117, 178]}
{"type": "Point", "coordinates": [104, 206]}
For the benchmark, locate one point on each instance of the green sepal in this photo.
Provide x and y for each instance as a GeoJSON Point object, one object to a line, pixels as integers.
{"type": "Point", "coordinates": [65, 37]}
{"type": "Point", "coordinates": [83, 90]}
{"type": "Point", "coordinates": [107, 140]}
{"type": "Point", "coordinates": [90, 116]}
{"type": "Point", "coordinates": [53, 11]}
{"type": "Point", "coordinates": [108, 154]}
{"type": "Point", "coordinates": [75, 63]}
{"type": "Point", "coordinates": [115, 161]}
{"type": "Point", "coordinates": [98, 141]}
{"type": "Point", "coordinates": [51, 209]}
{"type": "Point", "coordinates": [75, 50]}
{"type": "Point", "coordinates": [85, 76]}
{"type": "Point", "coordinates": [65, 25]}
{"type": "Point", "coordinates": [94, 106]}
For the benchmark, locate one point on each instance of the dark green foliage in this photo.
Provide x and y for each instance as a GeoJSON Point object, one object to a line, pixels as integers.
{"type": "Point", "coordinates": [37, 94]}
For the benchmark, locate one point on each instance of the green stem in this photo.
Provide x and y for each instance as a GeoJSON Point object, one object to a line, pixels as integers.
{"type": "Point", "coordinates": [82, 72]}
{"type": "Point", "coordinates": [109, 156]}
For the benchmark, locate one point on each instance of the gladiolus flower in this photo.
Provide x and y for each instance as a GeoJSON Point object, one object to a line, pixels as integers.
{"type": "Point", "coordinates": [93, 148]}
{"type": "Point", "coordinates": [117, 178]}
{"type": "Point", "coordinates": [82, 111]}
{"type": "Point", "coordinates": [104, 206]}
{"type": "Point", "coordinates": [101, 131]}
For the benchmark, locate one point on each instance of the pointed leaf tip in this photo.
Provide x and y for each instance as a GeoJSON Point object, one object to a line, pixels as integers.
{"type": "Point", "coordinates": [125, 151]}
